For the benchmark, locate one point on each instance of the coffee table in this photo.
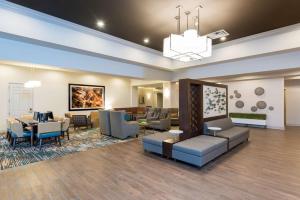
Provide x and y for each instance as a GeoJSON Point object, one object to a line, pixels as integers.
{"type": "Point", "coordinates": [143, 125]}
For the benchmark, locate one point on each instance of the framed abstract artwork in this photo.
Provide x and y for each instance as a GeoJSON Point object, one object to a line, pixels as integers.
{"type": "Point", "coordinates": [214, 101]}
{"type": "Point", "coordinates": [86, 97]}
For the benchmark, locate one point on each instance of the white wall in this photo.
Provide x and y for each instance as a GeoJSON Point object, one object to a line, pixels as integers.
{"type": "Point", "coordinates": [53, 95]}
{"type": "Point", "coordinates": [167, 94]}
{"type": "Point", "coordinates": [292, 102]}
{"type": "Point", "coordinates": [174, 95]}
{"type": "Point", "coordinates": [150, 96]}
{"type": "Point", "coordinates": [274, 96]}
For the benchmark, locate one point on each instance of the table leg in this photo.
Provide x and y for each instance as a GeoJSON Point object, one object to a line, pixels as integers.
{"type": "Point", "coordinates": [31, 139]}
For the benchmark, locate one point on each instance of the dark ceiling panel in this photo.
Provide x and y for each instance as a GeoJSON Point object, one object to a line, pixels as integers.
{"type": "Point", "coordinates": [134, 20]}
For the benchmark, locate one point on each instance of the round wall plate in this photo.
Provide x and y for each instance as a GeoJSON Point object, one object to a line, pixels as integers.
{"type": "Point", "coordinates": [259, 91]}
{"type": "Point", "coordinates": [239, 104]}
{"type": "Point", "coordinates": [238, 95]}
{"type": "Point", "coordinates": [253, 108]}
{"type": "Point", "coordinates": [261, 104]}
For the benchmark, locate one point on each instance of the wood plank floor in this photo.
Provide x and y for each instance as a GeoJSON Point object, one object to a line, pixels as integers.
{"type": "Point", "coordinates": [268, 167]}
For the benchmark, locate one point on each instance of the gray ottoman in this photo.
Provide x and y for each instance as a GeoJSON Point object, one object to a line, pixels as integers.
{"type": "Point", "coordinates": [153, 143]}
{"type": "Point", "coordinates": [199, 150]}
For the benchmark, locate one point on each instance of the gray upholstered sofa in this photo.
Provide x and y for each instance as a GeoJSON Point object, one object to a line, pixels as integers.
{"type": "Point", "coordinates": [199, 150]}
{"type": "Point", "coordinates": [120, 128]}
{"type": "Point", "coordinates": [163, 122]}
{"type": "Point", "coordinates": [234, 134]}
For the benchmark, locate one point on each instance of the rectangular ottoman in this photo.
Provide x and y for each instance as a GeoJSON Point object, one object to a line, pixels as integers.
{"type": "Point", "coordinates": [199, 150]}
{"type": "Point", "coordinates": [153, 143]}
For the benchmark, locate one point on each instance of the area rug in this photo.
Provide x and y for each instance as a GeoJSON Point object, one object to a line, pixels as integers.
{"type": "Point", "coordinates": [79, 141]}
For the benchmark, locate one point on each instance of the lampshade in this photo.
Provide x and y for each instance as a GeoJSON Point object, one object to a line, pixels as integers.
{"type": "Point", "coordinates": [32, 84]}
{"type": "Point", "coordinates": [187, 47]}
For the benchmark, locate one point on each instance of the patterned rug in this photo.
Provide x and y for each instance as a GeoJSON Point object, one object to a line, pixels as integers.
{"type": "Point", "coordinates": [79, 141]}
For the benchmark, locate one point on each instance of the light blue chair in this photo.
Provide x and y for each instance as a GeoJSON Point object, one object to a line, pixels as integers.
{"type": "Point", "coordinates": [49, 130]}
{"type": "Point", "coordinates": [120, 128]}
{"type": "Point", "coordinates": [17, 133]}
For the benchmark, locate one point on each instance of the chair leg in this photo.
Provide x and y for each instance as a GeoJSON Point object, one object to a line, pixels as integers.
{"type": "Point", "coordinates": [59, 140]}
{"type": "Point", "coordinates": [40, 143]}
{"type": "Point", "coordinates": [14, 143]}
{"type": "Point", "coordinates": [68, 134]}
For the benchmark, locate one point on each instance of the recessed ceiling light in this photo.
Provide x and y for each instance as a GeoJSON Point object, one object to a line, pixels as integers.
{"type": "Point", "coordinates": [223, 38]}
{"type": "Point", "coordinates": [146, 40]}
{"type": "Point", "coordinates": [100, 23]}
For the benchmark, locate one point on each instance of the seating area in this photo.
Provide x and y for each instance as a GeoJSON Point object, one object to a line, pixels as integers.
{"type": "Point", "coordinates": [201, 149]}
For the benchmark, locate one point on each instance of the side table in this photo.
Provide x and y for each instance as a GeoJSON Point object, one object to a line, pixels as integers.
{"type": "Point", "coordinates": [167, 146]}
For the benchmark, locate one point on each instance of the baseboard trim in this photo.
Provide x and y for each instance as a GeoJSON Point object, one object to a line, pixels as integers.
{"type": "Point", "coordinates": [276, 127]}
{"type": "Point", "coordinates": [293, 124]}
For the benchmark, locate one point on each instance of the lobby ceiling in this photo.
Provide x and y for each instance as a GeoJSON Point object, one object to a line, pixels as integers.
{"type": "Point", "coordinates": [135, 20]}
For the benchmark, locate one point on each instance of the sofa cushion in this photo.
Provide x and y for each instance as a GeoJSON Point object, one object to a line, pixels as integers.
{"type": "Point", "coordinates": [224, 124]}
{"type": "Point", "coordinates": [157, 138]}
{"type": "Point", "coordinates": [155, 122]}
{"type": "Point", "coordinates": [233, 133]}
{"type": "Point", "coordinates": [200, 145]}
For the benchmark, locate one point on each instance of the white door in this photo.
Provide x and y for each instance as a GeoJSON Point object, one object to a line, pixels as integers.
{"type": "Point", "coordinates": [20, 100]}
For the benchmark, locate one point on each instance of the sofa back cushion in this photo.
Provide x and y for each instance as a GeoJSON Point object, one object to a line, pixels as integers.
{"type": "Point", "coordinates": [224, 124]}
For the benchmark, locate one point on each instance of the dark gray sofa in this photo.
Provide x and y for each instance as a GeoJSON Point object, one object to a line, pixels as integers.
{"type": "Point", "coordinates": [234, 134]}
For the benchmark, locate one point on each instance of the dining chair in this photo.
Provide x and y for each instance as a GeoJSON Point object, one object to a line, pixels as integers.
{"type": "Point", "coordinates": [49, 130]}
{"type": "Point", "coordinates": [18, 135]}
{"type": "Point", "coordinates": [65, 127]}
{"type": "Point", "coordinates": [9, 121]}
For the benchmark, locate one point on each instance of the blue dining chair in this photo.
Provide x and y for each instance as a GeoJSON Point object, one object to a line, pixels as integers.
{"type": "Point", "coordinates": [49, 130]}
{"type": "Point", "coordinates": [18, 135]}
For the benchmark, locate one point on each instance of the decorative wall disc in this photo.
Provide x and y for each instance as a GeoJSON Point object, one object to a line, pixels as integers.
{"type": "Point", "coordinates": [239, 104]}
{"type": "Point", "coordinates": [261, 104]}
{"type": "Point", "coordinates": [253, 108]}
{"type": "Point", "coordinates": [231, 96]}
{"type": "Point", "coordinates": [271, 108]}
{"type": "Point", "coordinates": [238, 95]}
{"type": "Point", "coordinates": [235, 91]}
{"type": "Point", "coordinates": [259, 91]}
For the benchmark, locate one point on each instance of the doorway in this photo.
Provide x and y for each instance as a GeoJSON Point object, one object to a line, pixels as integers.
{"type": "Point", "coordinates": [20, 100]}
{"type": "Point", "coordinates": [159, 100]}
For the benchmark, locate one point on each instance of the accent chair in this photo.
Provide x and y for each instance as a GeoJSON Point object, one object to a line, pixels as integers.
{"type": "Point", "coordinates": [104, 122]}
{"type": "Point", "coordinates": [81, 121]}
{"type": "Point", "coordinates": [120, 128]}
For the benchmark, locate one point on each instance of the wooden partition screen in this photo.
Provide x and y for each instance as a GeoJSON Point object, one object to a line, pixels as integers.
{"type": "Point", "coordinates": [191, 99]}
